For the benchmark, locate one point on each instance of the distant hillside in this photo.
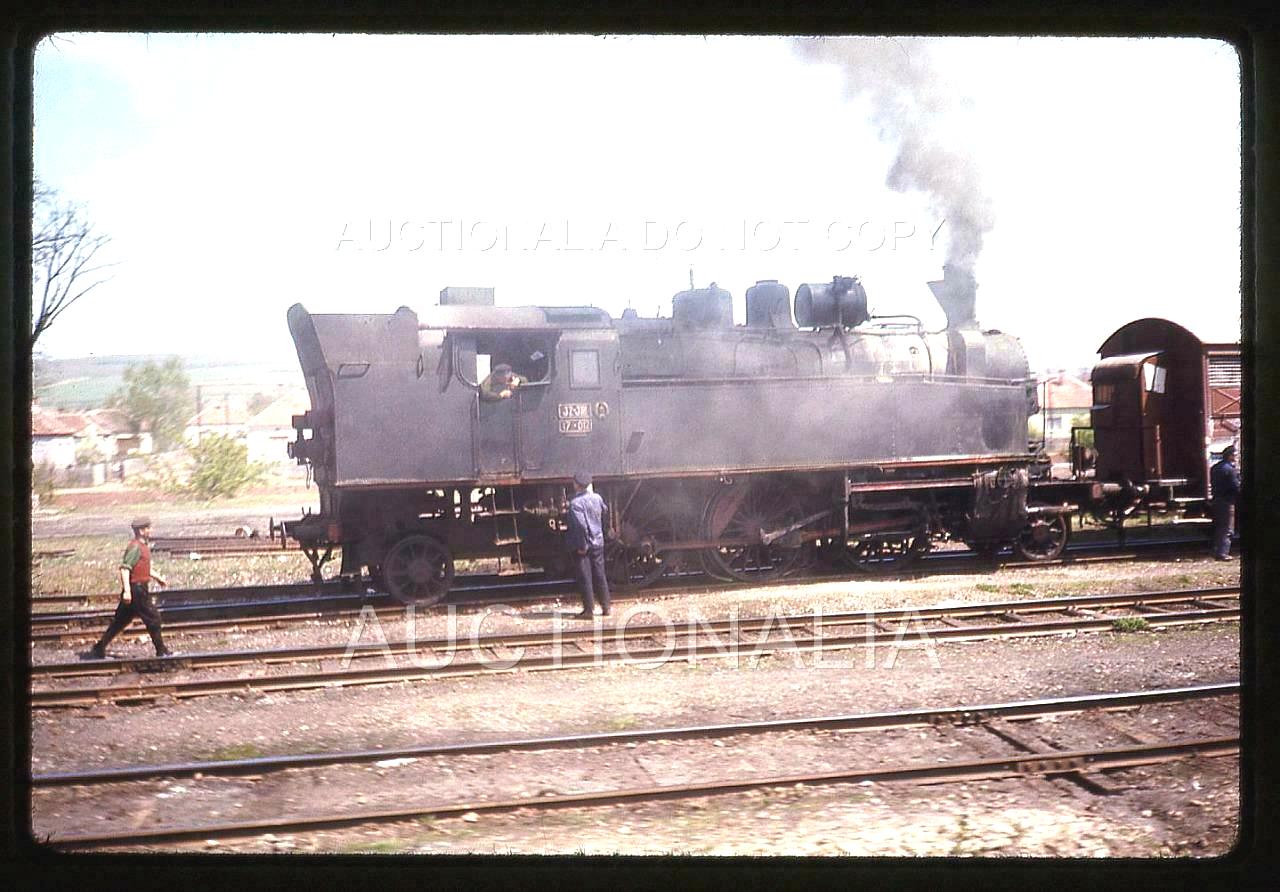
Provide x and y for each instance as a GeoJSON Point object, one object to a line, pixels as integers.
{"type": "Point", "coordinates": [87, 382]}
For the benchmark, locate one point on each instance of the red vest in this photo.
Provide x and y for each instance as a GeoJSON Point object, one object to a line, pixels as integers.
{"type": "Point", "coordinates": [141, 571]}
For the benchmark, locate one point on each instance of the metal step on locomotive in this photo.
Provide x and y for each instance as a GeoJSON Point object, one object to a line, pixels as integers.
{"type": "Point", "coordinates": [742, 451]}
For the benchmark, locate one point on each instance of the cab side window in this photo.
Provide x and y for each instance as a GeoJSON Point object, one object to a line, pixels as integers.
{"type": "Point", "coordinates": [584, 368]}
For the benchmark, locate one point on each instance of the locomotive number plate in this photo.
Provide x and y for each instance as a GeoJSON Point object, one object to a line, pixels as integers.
{"type": "Point", "coordinates": [574, 410]}
{"type": "Point", "coordinates": [575, 425]}
{"type": "Point", "coordinates": [575, 418]}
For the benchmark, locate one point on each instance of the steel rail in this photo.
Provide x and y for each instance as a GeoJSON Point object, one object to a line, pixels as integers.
{"type": "Point", "coordinates": [175, 596]}
{"type": "Point", "coordinates": [257, 613]}
{"type": "Point", "coordinates": [1136, 600]}
{"type": "Point", "coordinates": [63, 636]}
{"type": "Point", "coordinates": [172, 599]}
{"type": "Point", "coordinates": [689, 649]}
{"type": "Point", "coordinates": [287, 595]}
{"type": "Point", "coordinates": [650, 630]}
{"type": "Point", "coordinates": [1067, 762]}
{"type": "Point", "coordinates": [1018, 710]}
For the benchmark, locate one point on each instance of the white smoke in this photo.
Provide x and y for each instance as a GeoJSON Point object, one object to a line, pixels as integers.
{"type": "Point", "coordinates": [915, 110]}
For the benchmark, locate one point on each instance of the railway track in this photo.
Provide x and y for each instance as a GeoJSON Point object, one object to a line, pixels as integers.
{"type": "Point", "coordinates": [1073, 764]}
{"type": "Point", "coordinates": [288, 599]}
{"type": "Point", "coordinates": [587, 646]}
{"type": "Point", "coordinates": [196, 605]}
{"type": "Point", "coordinates": [1023, 710]}
{"type": "Point", "coordinates": [216, 546]}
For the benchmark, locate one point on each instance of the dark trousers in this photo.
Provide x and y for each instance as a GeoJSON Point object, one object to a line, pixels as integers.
{"type": "Point", "coordinates": [591, 578]}
{"type": "Point", "coordinates": [1222, 528]}
{"type": "Point", "coordinates": [142, 607]}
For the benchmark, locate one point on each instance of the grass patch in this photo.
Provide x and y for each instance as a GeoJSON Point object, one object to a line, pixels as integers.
{"type": "Point", "coordinates": [94, 568]}
{"type": "Point", "coordinates": [381, 847]}
{"type": "Point", "coordinates": [1022, 588]}
{"type": "Point", "coordinates": [236, 751]}
{"type": "Point", "coordinates": [621, 722]}
{"type": "Point", "coordinates": [1131, 624]}
{"type": "Point", "coordinates": [987, 587]}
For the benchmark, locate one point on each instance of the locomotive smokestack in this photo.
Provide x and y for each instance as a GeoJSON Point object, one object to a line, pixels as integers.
{"type": "Point", "coordinates": [957, 294]}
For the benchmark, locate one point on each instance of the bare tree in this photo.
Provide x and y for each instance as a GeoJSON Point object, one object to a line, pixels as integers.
{"type": "Point", "coordinates": [63, 251]}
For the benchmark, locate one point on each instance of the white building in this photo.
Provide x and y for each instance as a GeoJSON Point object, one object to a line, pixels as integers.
{"type": "Point", "coordinates": [227, 418]}
{"type": "Point", "coordinates": [271, 430]}
{"type": "Point", "coordinates": [54, 437]}
{"type": "Point", "coordinates": [115, 435]}
{"type": "Point", "coordinates": [1063, 398]}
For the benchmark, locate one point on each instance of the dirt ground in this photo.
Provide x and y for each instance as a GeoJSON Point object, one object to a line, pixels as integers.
{"type": "Point", "coordinates": [1187, 808]}
{"type": "Point", "coordinates": [107, 510]}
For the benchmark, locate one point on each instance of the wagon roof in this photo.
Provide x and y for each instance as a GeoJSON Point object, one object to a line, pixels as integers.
{"type": "Point", "coordinates": [1124, 361]}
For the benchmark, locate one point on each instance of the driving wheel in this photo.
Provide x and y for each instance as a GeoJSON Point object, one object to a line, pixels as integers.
{"type": "Point", "coordinates": [752, 521]}
{"type": "Point", "coordinates": [418, 570]}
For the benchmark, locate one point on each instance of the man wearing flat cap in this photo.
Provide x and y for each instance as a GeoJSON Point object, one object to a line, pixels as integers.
{"type": "Point", "coordinates": [588, 518]}
{"type": "Point", "coordinates": [1224, 484]}
{"type": "Point", "coordinates": [136, 576]}
{"type": "Point", "coordinates": [500, 384]}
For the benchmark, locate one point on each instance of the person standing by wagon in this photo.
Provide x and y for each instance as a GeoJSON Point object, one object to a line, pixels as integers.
{"type": "Point", "coordinates": [1224, 481]}
{"type": "Point", "coordinates": [136, 577]}
{"type": "Point", "coordinates": [588, 517]}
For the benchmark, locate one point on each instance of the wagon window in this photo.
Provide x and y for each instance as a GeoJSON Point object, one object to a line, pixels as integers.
{"type": "Point", "coordinates": [584, 368]}
{"type": "Point", "coordinates": [1103, 394]}
{"type": "Point", "coordinates": [1153, 377]}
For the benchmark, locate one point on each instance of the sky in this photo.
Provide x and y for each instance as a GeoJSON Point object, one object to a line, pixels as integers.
{"type": "Point", "coordinates": [240, 174]}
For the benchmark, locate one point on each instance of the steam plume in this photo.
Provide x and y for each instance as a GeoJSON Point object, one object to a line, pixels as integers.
{"type": "Point", "coordinates": [912, 106]}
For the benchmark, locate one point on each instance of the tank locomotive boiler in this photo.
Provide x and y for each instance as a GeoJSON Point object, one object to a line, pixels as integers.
{"type": "Point", "coordinates": [738, 450]}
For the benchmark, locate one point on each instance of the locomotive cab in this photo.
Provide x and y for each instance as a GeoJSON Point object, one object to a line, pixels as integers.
{"type": "Point", "coordinates": [559, 418]}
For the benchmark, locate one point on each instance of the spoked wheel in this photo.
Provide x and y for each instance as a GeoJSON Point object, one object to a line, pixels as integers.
{"type": "Point", "coordinates": [744, 516]}
{"type": "Point", "coordinates": [418, 570]}
{"type": "Point", "coordinates": [632, 566]}
{"type": "Point", "coordinates": [635, 558]}
{"type": "Point", "coordinates": [887, 552]}
{"type": "Point", "coordinates": [1043, 539]}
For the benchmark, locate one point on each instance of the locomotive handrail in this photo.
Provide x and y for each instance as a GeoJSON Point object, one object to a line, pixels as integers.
{"type": "Point", "coordinates": [919, 326]}
{"type": "Point", "coordinates": [743, 380]}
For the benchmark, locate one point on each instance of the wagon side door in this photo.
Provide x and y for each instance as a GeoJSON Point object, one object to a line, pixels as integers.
{"type": "Point", "coordinates": [1154, 437]}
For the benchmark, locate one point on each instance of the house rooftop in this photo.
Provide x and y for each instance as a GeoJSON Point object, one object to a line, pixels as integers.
{"type": "Point", "coordinates": [50, 423]}
{"type": "Point", "coordinates": [1066, 391]}
{"type": "Point", "coordinates": [112, 421]}
{"type": "Point", "coordinates": [280, 413]}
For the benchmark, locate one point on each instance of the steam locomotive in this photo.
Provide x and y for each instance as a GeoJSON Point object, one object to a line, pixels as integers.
{"type": "Point", "coordinates": [734, 450]}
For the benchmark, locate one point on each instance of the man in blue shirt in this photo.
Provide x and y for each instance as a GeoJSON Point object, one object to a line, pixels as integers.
{"type": "Point", "coordinates": [1224, 481]}
{"type": "Point", "coordinates": [588, 517]}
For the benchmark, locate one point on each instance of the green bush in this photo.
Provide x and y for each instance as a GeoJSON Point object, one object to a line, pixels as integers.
{"type": "Point", "coordinates": [44, 481]}
{"type": "Point", "coordinates": [221, 468]}
{"type": "Point", "coordinates": [89, 453]}
{"type": "Point", "coordinates": [161, 474]}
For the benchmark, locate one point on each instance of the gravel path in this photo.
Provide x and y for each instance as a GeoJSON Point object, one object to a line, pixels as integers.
{"type": "Point", "coordinates": [1185, 808]}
